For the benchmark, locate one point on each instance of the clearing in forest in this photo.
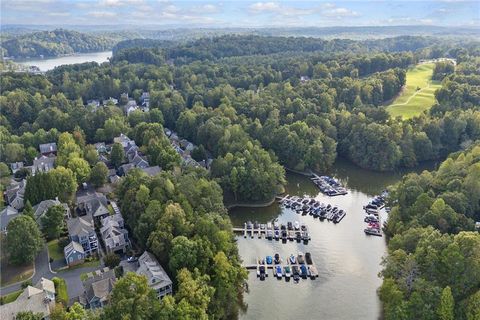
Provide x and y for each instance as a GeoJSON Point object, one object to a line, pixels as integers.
{"type": "Point", "coordinates": [418, 94]}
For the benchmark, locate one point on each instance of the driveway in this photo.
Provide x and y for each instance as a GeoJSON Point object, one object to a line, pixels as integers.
{"type": "Point", "coordinates": [42, 269]}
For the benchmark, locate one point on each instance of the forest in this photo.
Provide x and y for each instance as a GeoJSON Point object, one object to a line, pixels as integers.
{"type": "Point", "coordinates": [258, 106]}
{"type": "Point", "coordinates": [53, 43]}
{"type": "Point", "coordinates": [433, 266]}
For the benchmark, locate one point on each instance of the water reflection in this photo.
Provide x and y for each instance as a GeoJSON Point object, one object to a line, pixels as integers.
{"type": "Point", "coordinates": [348, 261]}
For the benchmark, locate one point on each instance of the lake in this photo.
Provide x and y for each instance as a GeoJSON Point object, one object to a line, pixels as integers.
{"type": "Point", "coordinates": [50, 63]}
{"type": "Point", "coordinates": [348, 261]}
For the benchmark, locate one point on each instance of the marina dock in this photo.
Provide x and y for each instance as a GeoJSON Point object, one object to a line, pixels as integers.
{"type": "Point", "coordinates": [309, 268]}
{"type": "Point", "coordinates": [293, 231]}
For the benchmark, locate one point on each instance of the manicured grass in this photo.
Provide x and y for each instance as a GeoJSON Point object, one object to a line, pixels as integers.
{"type": "Point", "coordinates": [411, 101]}
{"type": "Point", "coordinates": [54, 250]}
{"type": "Point", "coordinates": [10, 297]}
{"type": "Point", "coordinates": [87, 264]}
{"type": "Point", "coordinates": [61, 290]}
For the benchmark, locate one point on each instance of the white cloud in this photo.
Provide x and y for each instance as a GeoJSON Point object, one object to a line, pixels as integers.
{"type": "Point", "coordinates": [339, 13]}
{"type": "Point", "coordinates": [102, 14]}
{"type": "Point", "coordinates": [59, 14]}
{"type": "Point", "coordinates": [118, 3]}
{"type": "Point", "coordinates": [262, 7]}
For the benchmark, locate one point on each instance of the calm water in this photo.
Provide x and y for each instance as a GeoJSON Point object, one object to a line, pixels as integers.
{"type": "Point", "coordinates": [50, 63]}
{"type": "Point", "coordinates": [348, 261]}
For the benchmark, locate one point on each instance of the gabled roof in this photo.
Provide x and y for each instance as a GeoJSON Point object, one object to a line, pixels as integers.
{"type": "Point", "coordinates": [151, 268]}
{"type": "Point", "coordinates": [31, 299]}
{"type": "Point", "coordinates": [71, 247]}
{"type": "Point", "coordinates": [6, 215]}
{"type": "Point", "coordinates": [15, 190]}
{"type": "Point", "coordinates": [80, 226]}
{"type": "Point", "coordinates": [48, 147]}
{"type": "Point", "coordinates": [93, 204]}
{"type": "Point", "coordinates": [41, 208]}
{"type": "Point", "coordinates": [99, 286]}
{"type": "Point", "coordinates": [43, 164]}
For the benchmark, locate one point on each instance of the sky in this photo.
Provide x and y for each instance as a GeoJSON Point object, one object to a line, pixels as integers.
{"type": "Point", "coordinates": [240, 13]}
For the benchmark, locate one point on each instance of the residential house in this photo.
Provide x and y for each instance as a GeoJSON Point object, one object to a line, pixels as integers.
{"type": "Point", "coordinates": [43, 164]}
{"type": "Point", "coordinates": [122, 139]}
{"type": "Point", "coordinates": [38, 299]}
{"type": "Point", "coordinates": [139, 161]}
{"type": "Point", "coordinates": [157, 278]}
{"type": "Point", "coordinates": [114, 234]}
{"type": "Point", "coordinates": [74, 254]}
{"type": "Point", "coordinates": [48, 148]}
{"type": "Point", "coordinates": [125, 168]}
{"type": "Point", "coordinates": [304, 79]}
{"type": "Point", "coordinates": [97, 289]}
{"type": "Point", "coordinates": [6, 215]}
{"type": "Point", "coordinates": [94, 205]}
{"type": "Point", "coordinates": [14, 194]}
{"type": "Point", "coordinates": [110, 101]}
{"type": "Point", "coordinates": [130, 107]}
{"type": "Point", "coordinates": [81, 230]}
{"type": "Point", "coordinates": [100, 147]}
{"type": "Point", "coordinates": [15, 166]}
{"type": "Point", "coordinates": [145, 102]}
{"type": "Point", "coordinates": [186, 145]}
{"type": "Point", "coordinates": [152, 171]}
{"type": "Point", "coordinates": [93, 105]}
{"type": "Point", "coordinates": [41, 208]}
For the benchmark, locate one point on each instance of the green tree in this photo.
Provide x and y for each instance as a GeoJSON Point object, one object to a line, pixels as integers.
{"type": "Point", "coordinates": [473, 306]}
{"type": "Point", "coordinates": [52, 222]}
{"type": "Point", "coordinates": [446, 306]}
{"type": "Point", "coordinates": [4, 170]}
{"type": "Point", "coordinates": [28, 209]}
{"type": "Point", "coordinates": [132, 298]}
{"type": "Point", "coordinates": [117, 155]}
{"type": "Point", "coordinates": [14, 152]}
{"type": "Point", "coordinates": [29, 315]}
{"type": "Point", "coordinates": [111, 260]}
{"type": "Point", "coordinates": [99, 174]}
{"type": "Point", "coordinates": [23, 240]}
{"type": "Point", "coordinates": [80, 168]}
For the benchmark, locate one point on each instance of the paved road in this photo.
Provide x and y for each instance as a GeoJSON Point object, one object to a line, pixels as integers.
{"type": "Point", "coordinates": [42, 269]}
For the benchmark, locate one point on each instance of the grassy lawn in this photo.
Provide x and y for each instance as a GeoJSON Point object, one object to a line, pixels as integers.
{"type": "Point", "coordinates": [87, 264]}
{"type": "Point", "coordinates": [411, 101]}
{"type": "Point", "coordinates": [10, 273]}
{"type": "Point", "coordinates": [10, 297]}
{"type": "Point", "coordinates": [61, 290]}
{"type": "Point", "coordinates": [54, 250]}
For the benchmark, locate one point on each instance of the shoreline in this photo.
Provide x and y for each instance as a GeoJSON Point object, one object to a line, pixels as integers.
{"type": "Point", "coordinates": [252, 205]}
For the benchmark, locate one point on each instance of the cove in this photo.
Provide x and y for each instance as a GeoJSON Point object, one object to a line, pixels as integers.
{"type": "Point", "coordinates": [348, 261]}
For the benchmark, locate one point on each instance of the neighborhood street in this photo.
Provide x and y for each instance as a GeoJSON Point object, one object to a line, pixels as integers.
{"type": "Point", "coordinates": [42, 269]}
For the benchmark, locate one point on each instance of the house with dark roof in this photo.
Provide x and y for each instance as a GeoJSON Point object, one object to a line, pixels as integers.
{"type": "Point", "coordinates": [139, 161]}
{"type": "Point", "coordinates": [48, 148]}
{"type": "Point", "coordinates": [94, 205]}
{"type": "Point", "coordinates": [42, 164]}
{"type": "Point", "coordinates": [81, 230]}
{"type": "Point", "coordinates": [6, 215]}
{"type": "Point", "coordinates": [114, 234]}
{"type": "Point", "coordinates": [74, 254]}
{"type": "Point", "coordinates": [98, 288]}
{"type": "Point", "coordinates": [14, 194]}
{"type": "Point", "coordinates": [157, 278]}
{"type": "Point", "coordinates": [41, 208]}
{"type": "Point", "coordinates": [125, 168]}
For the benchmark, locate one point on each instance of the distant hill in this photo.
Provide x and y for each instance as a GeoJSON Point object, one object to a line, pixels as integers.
{"type": "Point", "coordinates": [54, 43]}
